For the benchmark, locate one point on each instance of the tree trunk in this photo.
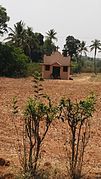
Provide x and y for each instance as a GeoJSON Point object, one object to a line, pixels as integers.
{"type": "Point", "coordinates": [95, 70]}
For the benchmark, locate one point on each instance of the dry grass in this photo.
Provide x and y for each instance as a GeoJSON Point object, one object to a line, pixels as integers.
{"type": "Point", "coordinates": [53, 150]}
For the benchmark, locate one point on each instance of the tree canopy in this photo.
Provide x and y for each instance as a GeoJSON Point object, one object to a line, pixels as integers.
{"type": "Point", "coordinates": [13, 62]}
{"type": "Point", "coordinates": [83, 48]}
{"type": "Point", "coordinates": [49, 45]}
{"type": "Point", "coordinates": [71, 46]}
{"type": "Point", "coordinates": [31, 43]}
{"type": "Point", "coordinates": [35, 45]}
{"type": "Point", "coordinates": [3, 20]}
{"type": "Point", "coordinates": [51, 34]}
{"type": "Point", "coordinates": [96, 45]}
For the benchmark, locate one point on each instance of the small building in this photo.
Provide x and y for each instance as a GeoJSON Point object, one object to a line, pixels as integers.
{"type": "Point", "coordinates": [56, 66]}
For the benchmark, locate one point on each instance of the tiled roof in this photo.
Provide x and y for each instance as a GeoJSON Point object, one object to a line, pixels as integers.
{"type": "Point", "coordinates": [57, 57]}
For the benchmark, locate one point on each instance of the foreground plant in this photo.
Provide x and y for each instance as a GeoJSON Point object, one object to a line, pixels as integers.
{"type": "Point", "coordinates": [78, 117]}
{"type": "Point", "coordinates": [37, 118]}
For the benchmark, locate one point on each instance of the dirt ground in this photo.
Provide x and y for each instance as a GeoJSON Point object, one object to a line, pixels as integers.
{"type": "Point", "coordinates": [53, 149]}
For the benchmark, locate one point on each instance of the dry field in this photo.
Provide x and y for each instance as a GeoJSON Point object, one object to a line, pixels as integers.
{"type": "Point", "coordinates": [53, 150]}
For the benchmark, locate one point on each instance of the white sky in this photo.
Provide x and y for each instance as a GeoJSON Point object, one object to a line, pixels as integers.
{"type": "Point", "coordinates": [80, 18]}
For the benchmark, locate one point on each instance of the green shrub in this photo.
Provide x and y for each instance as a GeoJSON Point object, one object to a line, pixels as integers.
{"type": "Point", "coordinates": [77, 114]}
{"type": "Point", "coordinates": [36, 113]}
{"type": "Point", "coordinates": [13, 62]}
{"type": "Point", "coordinates": [32, 67]}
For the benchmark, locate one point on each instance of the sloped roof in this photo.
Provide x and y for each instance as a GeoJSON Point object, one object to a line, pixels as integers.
{"type": "Point", "coordinates": [57, 57]}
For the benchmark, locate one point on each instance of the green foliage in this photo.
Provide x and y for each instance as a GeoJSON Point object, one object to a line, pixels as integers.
{"type": "Point", "coordinates": [71, 47]}
{"type": "Point", "coordinates": [25, 38]}
{"type": "Point", "coordinates": [86, 65]}
{"type": "Point", "coordinates": [51, 35]}
{"type": "Point", "coordinates": [13, 62]}
{"type": "Point", "coordinates": [96, 45]}
{"type": "Point", "coordinates": [48, 47]}
{"type": "Point", "coordinates": [38, 52]}
{"type": "Point", "coordinates": [16, 37]}
{"type": "Point", "coordinates": [3, 20]}
{"type": "Point", "coordinates": [36, 115]}
{"type": "Point", "coordinates": [32, 68]}
{"type": "Point", "coordinates": [98, 64]}
{"type": "Point", "coordinates": [80, 110]}
{"type": "Point", "coordinates": [83, 48]}
{"type": "Point", "coordinates": [77, 116]}
{"type": "Point", "coordinates": [74, 68]}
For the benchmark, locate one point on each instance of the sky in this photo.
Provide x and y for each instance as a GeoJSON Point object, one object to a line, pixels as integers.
{"type": "Point", "coordinates": [79, 18]}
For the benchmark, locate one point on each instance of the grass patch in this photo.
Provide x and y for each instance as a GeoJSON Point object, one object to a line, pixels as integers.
{"type": "Point", "coordinates": [32, 67]}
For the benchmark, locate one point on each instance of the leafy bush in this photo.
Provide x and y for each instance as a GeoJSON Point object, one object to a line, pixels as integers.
{"type": "Point", "coordinates": [74, 68]}
{"type": "Point", "coordinates": [32, 67]}
{"type": "Point", "coordinates": [13, 62]}
{"type": "Point", "coordinates": [36, 115]}
{"type": "Point", "coordinates": [77, 116]}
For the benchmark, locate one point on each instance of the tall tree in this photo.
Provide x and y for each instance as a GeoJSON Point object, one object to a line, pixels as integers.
{"type": "Point", "coordinates": [25, 38]}
{"type": "Point", "coordinates": [49, 45]}
{"type": "Point", "coordinates": [51, 34]}
{"type": "Point", "coordinates": [82, 50]}
{"type": "Point", "coordinates": [34, 45]}
{"type": "Point", "coordinates": [96, 45]}
{"type": "Point", "coordinates": [71, 47]}
{"type": "Point", "coordinates": [17, 36]}
{"type": "Point", "coordinates": [3, 20]}
{"type": "Point", "coordinates": [28, 42]}
{"type": "Point", "coordinates": [38, 52]}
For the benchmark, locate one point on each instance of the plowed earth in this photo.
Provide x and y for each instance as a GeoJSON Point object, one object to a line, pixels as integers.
{"type": "Point", "coordinates": [53, 150]}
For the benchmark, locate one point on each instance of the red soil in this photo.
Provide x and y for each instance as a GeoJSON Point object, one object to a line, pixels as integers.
{"type": "Point", "coordinates": [53, 149]}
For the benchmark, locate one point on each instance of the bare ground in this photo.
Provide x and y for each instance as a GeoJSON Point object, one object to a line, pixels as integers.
{"type": "Point", "coordinates": [53, 149]}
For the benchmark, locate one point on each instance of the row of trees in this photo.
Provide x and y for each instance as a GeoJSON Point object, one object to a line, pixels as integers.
{"type": "Point", "coordinates": [74, 47]}
{"type": "Point", "coordinates": [34, 46]}
{"type": "Point", "coordinates": [21, 46]}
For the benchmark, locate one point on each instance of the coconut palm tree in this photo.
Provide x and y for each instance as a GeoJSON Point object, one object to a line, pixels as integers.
{"type": "Point", "coordinates": [83, 48]}
{"type": "Point", "coordinates": [96, 45]}
{"type": "Point", "coordinates": [29, 41]}
{"type": "Point", "coordinates": [21, 37]}
{"type": "Point", "coordinates": [52, 34]}
{"type": "Point", "coordinates": [49, 45]}
{"type": "Point", "coordinates": [17, 36]}
{"type": "Point", "coordinates": [32, 42]}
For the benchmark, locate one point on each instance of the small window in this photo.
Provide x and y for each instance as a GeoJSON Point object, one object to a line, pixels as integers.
{"type": "Point", "coordinates": [65, 68]}
{"type": "Point", "coordinates": [47, 67]}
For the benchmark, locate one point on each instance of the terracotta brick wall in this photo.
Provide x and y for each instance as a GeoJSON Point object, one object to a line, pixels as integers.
{"type": "Point", "coordinates": [47, 74]}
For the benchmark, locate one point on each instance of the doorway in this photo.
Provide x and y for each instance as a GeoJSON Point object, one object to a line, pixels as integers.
{"type": "Point", "coordinates": [56, 72]}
